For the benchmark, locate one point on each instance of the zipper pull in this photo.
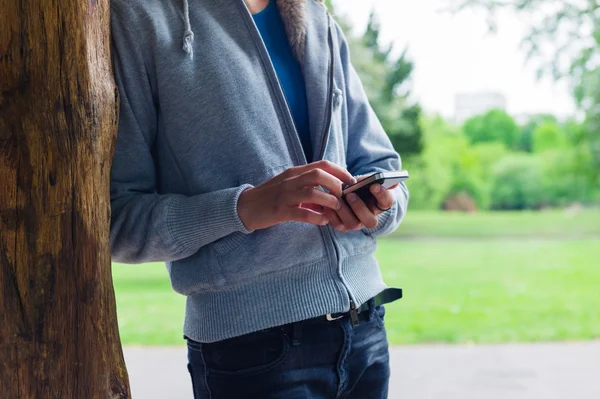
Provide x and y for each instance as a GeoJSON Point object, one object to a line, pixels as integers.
{"type": "Point", "coordinates": [353, 314]}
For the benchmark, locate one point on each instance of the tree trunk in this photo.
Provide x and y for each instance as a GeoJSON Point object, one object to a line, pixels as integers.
{"type": "Point", "coordinates": [58, 116]}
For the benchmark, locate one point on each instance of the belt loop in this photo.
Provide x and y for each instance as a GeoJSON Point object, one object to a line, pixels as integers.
{"type": "Point", "coordinates": [296, 334]}
{"type": "Point", "coordinates": [372, 308]}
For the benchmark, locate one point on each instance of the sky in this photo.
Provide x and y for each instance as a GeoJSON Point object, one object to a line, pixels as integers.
{"type": "Point", "coordinates": [456, 54]}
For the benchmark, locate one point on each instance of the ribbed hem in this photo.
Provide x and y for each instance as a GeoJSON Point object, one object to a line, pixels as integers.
{"type": "Point", "coordinates": [363, 277]}
{"type": "Point", "coordinates": [196, 221]}
{"type": "Point", "coordinates": [296, 294]}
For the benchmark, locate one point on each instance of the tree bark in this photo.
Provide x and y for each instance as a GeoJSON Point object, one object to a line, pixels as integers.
{"type": "Point", "coordinates": [58, 116]}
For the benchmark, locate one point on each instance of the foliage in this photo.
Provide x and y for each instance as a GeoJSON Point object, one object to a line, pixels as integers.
{"type": "Point", "coordinates": [431, 176]}
{"type": "Point", "coordinates": [527, 130]}
{"type": "Point", "coordinates": [588, 94]}
{"type": "Point", "coordinates": [387, 82]}
{"type": "Point", "coordinates": [488, 154]}
{"type": "Point", "coordinates": [559, 173]}
{"type": "Point", "coordinates": [548, 136]}
{"type": "Point", "coordinates": [450, 167]}
{"type": "Point", "coordinates": [482, 162]}
{"type": "Point", "coordinates": [574, 132]}
{"type": "Point", "coordinates": [561, 181]}
{"type": "Point", "coordinates": [451, 173]}
{"type": "Point", "coordinates": [494, 126]}
{"type": "Point", "coordinates": [493, 176]}
{"type": "Point", "coordinates": [564, 39]}
{"type": "Point", "coordinates": [517, 183]}
{"type": "Point", "coordinates": [570, 28]}
{"type": "Point", "coordinates": [469, 177]}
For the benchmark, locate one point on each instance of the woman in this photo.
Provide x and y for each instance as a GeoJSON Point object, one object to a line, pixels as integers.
{"type": "Point", "coordinates": [221, 146]}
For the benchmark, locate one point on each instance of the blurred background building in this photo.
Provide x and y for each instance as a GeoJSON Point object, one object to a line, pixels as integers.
{"type": "Point", "coordinates": [468, 105]}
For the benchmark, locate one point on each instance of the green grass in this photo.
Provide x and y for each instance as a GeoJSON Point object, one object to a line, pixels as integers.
{"type": "Point", "coordinates": [543, 224]}
{"type": "Point", "coordinates": [484, 278]}
{"type": "Point", "coordinates": [149, 311]}
{"type": "Point", "coordinates": [493, 291]}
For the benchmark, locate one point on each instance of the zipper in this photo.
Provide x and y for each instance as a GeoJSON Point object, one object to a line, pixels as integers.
{"type": "Point", "coordinates": [289, 126]}
{"type": "Point", "coordinates": [328, 116]}
{"type": "Point", "coordinates": [324, 141]}
{"type": "Point", "coordinates": [295, 138]}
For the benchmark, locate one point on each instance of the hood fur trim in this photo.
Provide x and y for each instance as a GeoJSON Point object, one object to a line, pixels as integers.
{"type": "Point", "coordinates": [293, 14]}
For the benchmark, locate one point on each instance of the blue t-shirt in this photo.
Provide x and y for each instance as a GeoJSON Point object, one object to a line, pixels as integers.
{"type": "Point", "coordinates": [288, 70]}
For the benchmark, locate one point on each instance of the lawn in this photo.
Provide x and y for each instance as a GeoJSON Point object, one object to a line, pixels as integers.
{"type": "Point", "coordinates": [467, 278]}
{"type": "Point", "coordinates": [544, 224]}
{"type": "Point", "coordinates": [493, 291]}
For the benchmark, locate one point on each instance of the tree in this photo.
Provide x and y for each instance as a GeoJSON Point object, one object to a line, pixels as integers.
{"type": "Point", "coordinates": [432, 172]}
{"type": "Point", "coordinates": [58, 114]}
{"type": "Point", "coordinates": [527, 130]}
{"type": "Point", "coordinates": [564, 39]}
{"type": "Point", "coordinates": [570, 28]}
{"type": "Point", "coordinates": [517, 183]}
{"type": "Point", "coordinates": [564, 176]}
{"type": "Point", "coordinates": [493, 126]}
{"type": "Point", "coordinates": [399, 117]}
{"type": "Point", "coordinates": [588, 96]}
{"type": "Point", "coordinates": [548, 136]}
{"type": "Point", "coordinates": [386, 80]}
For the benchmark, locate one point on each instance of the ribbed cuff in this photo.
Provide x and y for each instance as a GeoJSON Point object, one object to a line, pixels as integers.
{"type": "Point", "coordinates": [382, 220]}
{"type": "Point", "coordinates": [193, 222]}
{"type": "Point", "coordinates": [390, 219]}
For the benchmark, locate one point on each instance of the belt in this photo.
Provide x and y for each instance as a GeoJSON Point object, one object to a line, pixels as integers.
{"type": "Point", "coordinates": [386, 296]}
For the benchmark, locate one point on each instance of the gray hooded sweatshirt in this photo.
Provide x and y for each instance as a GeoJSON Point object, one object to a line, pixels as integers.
{"type": "Point", "coordinates": [203, 118]}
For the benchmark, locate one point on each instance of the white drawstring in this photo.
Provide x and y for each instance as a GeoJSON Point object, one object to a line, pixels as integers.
{"type": "Point", "coordinates": [188, 35]}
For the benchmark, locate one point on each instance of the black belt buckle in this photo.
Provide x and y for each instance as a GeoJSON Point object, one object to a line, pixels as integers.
{"type": "Point", "coordinates": [386, 296]}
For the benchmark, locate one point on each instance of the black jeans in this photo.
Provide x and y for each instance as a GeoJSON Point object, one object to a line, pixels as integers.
{"type": "Point", "coordinates": [314, 359]}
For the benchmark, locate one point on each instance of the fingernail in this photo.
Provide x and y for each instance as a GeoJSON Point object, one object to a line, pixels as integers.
{"type": "Point", "coordinates": [339, 205]}
{"type": "Point", "coordinates": [354, 181]}
{"type": "Point", "coordinates": [376, 188]}
{"type": "Point", "coordinates": [352, 197]}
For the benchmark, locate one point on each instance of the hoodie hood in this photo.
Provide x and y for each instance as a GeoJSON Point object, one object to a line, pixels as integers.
{"type": "Point", "coordinates": [293, 14]}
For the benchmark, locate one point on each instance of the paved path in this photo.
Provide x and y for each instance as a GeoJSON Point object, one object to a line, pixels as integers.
{"type": "Point", "coordinates": [519, 371]}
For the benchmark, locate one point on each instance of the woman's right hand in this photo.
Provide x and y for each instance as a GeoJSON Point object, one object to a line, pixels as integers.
{"type": "Point", "coordinates": [292, 196]}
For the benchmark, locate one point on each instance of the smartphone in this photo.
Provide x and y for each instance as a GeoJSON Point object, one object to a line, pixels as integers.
{"type": "Point", "coordinates": [386, 179]}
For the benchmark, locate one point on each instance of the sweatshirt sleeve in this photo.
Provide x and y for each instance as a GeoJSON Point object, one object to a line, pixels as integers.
{"type": "Point", "coordinates": [145, 225]}
{"type": "Point", "coordinates": [369, 148]}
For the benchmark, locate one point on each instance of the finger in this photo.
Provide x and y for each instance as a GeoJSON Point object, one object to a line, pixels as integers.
{"type": "Point", "coordinates": [313, 207]}
{"type": "Point", "coordinates": [318, 177]}
{"type": "Point", "coordinates": [362, 212]}
{"type": "Point", "coordinates": [348, 217]}
{"type": "Point", "coordinates": [312, 195]}
{"type": "Point", "coordinates": [334, 219]}
{"type": "Point", "coordinates": [329, 167]}
{"type": "Point", "coordinates": [306, 216]}
{"type": "Point", "coordinates": [373, 208]}
{"type": "Point", "coordinates": [384, 198]}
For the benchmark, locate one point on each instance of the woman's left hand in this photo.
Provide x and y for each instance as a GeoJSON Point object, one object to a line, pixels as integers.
{"type": "Point", "coordinates": [358, 214]}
